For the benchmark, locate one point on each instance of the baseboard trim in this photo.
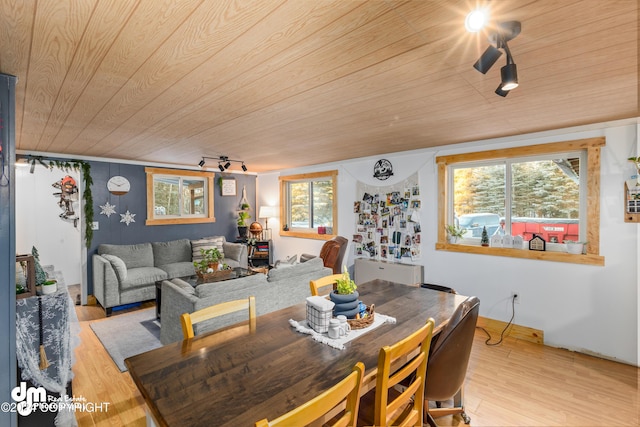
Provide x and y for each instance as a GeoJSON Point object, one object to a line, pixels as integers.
{"type": "Point", "coordinates": [495, 328]}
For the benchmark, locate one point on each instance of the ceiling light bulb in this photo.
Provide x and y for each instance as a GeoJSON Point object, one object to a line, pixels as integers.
{"type": "Point", "coordinates": [476, 20]}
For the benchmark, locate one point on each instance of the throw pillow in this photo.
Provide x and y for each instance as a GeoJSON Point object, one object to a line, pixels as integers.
{"type": "Point", "coordinates": [118, 265]}
{"type": "Point", "coordinates": [208, 243]}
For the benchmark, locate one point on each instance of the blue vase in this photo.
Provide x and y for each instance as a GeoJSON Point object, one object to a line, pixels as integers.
{"type": "Point", "coordinates": [346, 305]}
{"type": "Point", "coordinates": [341, 299]}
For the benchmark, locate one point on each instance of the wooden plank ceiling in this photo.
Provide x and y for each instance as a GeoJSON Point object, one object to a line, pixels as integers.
{"type": "Point", "coordinates": [281, 84]}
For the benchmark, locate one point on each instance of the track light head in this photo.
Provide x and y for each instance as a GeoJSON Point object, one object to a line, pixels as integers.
{"type": "Point", "coordinates": [244, 168]}
{"type": "Point", "coordinates": [488, 58]}
{"type": "Point", "coordinates": [227, 165]}
{"type": "Point", "coordinates": [201, 164]}
{"type": "Point", "coordinates": [501, 92]}
{"type": "Point", "coordinates": [220, 167]}
{"type": "Point", "coordinates": [509, 74]}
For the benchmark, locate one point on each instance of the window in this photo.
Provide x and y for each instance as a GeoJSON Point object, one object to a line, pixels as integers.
{"type": "Point", "coordinates": [525, 191]}
{"type": "Point", "coordinates": [309, 205]}
{"type": "Point", "coordinates": [179, 196]}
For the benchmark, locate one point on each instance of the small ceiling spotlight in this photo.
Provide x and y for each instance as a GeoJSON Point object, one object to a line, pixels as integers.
{"type": "Point", "coordinates": [476, 20]}
{"type": "Point", "coordinates": [224, 162]}
{"type": "Point", "coordinates": [509, 74]}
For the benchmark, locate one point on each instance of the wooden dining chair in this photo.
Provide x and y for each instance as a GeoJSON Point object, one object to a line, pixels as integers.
{"type": "Point", "coordinates": [387, 406]}
{"type": "Point", "coordinates": [322, 282]}
{"type": "Point", "coordinates": [346, 390]}
{"type": "Point", "coordinates": [188, 320]}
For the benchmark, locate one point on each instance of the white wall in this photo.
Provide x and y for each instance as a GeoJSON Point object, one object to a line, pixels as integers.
{"type": "Point", "coordinates": [38, 223]}
{"type": "Point", "coordinates": [579, 307]}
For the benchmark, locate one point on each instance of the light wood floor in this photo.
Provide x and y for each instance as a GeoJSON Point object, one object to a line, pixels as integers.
{"type": "Point", "coordinates": [514, 384]}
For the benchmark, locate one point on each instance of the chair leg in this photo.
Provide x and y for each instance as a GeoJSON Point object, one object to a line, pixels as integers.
{"type": "Point", "coordinates": [439, 411]}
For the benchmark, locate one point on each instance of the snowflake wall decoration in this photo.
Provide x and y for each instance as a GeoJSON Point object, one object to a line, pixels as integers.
{"type": "Point", "coordinates": [107, 209]}
{"type": "Point", "coordinates": [127, 217]}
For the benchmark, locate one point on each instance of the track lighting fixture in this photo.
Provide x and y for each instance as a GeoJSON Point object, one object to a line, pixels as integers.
{"type": "Point", "coordinates": [509, 74]}
{"type": "Point", "coordinates": [224, 162]}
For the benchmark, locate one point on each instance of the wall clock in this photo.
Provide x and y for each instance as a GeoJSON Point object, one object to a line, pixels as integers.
{"type": "Point", "coordinates": [118, 185]}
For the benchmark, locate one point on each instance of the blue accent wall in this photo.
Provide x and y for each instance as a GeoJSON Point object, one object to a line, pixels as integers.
{"type": "Point", "coordinates": [112, 231]}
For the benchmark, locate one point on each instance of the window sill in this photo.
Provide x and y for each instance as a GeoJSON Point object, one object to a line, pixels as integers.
{"type": "Point", "coordinates": [303, 235]}
{"type": "Point", "coordinates": [588, 259]}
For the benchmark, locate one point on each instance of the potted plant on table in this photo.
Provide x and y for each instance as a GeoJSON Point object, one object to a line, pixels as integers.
{"type": "Point", "coordinates": [49, 286]}
{"type": "Point", "coordinates": [209, 262]}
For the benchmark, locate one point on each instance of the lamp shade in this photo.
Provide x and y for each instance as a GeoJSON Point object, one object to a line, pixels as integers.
{"type": "Point", "coordinates": [509, 74]}
{"type": "Point", "coordinates": [488, 58]}
{"type": "Point", "coordinates": [267, 212]}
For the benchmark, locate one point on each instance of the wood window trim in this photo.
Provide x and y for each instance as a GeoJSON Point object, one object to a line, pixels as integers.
{"type": "Point", "coordinates": [591, 145]}
{"type": "Point", "coordinates": [209, 176]}
{"type": "Point", "coordinates": [333, 174]}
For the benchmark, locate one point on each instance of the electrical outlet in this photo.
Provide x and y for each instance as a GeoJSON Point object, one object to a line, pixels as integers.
{"type": "Point", "coordinates": [95, 225]}
{"type": "Point", "coordinates": [515, 296]}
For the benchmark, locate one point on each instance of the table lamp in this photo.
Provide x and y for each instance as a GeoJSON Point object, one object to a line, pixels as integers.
{"type": "Point", "coordinates": [267, 212]}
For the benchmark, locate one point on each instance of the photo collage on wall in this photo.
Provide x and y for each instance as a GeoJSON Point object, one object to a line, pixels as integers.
{"type": "Point", "coordinates": [388, 221]}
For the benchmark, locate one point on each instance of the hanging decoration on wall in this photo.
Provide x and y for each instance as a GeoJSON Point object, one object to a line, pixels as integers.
{"type": "Point", "coordinates": [68, 195]}
{"type": "Point", "coordinates": [107, 209]}
{"type": "Point", "coordinates": [388, 221]}
{"type": "Point", "coordinates": [382, 169]}
{"type": "Point", "coordinates": [127, 217]}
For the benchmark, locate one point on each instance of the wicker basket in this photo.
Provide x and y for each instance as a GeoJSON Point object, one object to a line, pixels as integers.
{"type": "Point", "coordinates": [364, 321]}
{"type": "Point", "coordinates": [204, 277]}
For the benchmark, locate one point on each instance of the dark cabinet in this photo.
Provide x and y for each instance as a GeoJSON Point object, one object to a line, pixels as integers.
{"type": "Point", "coordinates": [261, 253]}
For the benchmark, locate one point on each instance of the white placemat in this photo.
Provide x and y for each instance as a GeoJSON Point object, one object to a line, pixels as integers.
{"type": "Point", "coordinates": [302, 327]}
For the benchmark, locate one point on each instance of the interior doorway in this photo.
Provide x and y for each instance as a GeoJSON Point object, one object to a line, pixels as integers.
{"type": "Point", "coordinates": [49, 217]}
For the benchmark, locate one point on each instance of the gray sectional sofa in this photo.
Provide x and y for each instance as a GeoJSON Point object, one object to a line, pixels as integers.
{"type": "Point", "coordinates": [282, 287]}
{"type": "Point", "coordinates": [124, 274]}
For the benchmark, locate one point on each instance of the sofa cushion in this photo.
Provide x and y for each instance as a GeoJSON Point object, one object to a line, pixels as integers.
{"type": "Point", "coordinates": [178, 269]}
{"type": "Point", "coordinates": [118, 266]}
{"type": "Point", "coordinates": [232, 251]}
{"type": "Point", "coordinates": [134, 256]}
{"type": "Point", "coordinates": [314, 264]}
{"type": "Point", "coordinates": [142, 276]}
{"type": "Point", "coordinates": [169, 252]}
{"type": "Point", "coordinates": [207, 243]}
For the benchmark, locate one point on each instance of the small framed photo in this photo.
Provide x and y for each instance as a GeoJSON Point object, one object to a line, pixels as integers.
{"type": "Point", "coordinates": [228, 187]}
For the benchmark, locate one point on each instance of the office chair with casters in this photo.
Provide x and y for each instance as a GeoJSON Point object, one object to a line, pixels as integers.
{"type": "Point", "coordinates": [448, 362]}
{"type": "Point", "coordinates": [346, 390]}
{"type": "Point", "coordinates": [332, 253]}
{"type": "Point", "coordinates": [322, 282]}
{"type": "Point", "coordinates": [188, 320]}
{"type": "Point", "coordinates": [389, 406]}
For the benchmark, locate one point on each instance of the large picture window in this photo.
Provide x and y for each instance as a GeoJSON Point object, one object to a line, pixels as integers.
{"type": "Point", "coordinates": [179, 196]}
{"type": "Point", "coordinates": [309, 205]}
{"type": "Point", "coordinates": [526, 191]}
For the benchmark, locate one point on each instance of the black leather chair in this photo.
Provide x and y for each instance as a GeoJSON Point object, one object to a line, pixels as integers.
{"type": "Point", "coordinates": [448, 362]}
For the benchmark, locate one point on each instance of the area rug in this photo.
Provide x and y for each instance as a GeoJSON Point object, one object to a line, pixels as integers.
{"type": "Point", "coordinates": [127, 334]}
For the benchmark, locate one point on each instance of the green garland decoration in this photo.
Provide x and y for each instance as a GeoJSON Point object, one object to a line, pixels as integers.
{"type": "Point", "coordinates": [76, 165]}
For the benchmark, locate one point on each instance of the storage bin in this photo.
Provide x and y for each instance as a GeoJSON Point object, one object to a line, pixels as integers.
{"type": "Point", "coordinates": [319, 311]}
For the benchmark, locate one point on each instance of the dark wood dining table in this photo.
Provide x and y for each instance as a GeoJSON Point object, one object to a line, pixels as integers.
{"type": "Point", "coordinates": [234, 377]}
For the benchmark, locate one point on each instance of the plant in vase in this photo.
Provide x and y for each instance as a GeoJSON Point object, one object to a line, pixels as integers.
{"type": "Point", "coordinates": [345, 296]}
{"type": "Point", "coordinates": [209, 262]}
{"type": "Point", "coordinates": [243, 216]}
{"type": "Point", "coordinates": [454, 232]}
{"type": "Point", "coordinates": [49, 286]}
